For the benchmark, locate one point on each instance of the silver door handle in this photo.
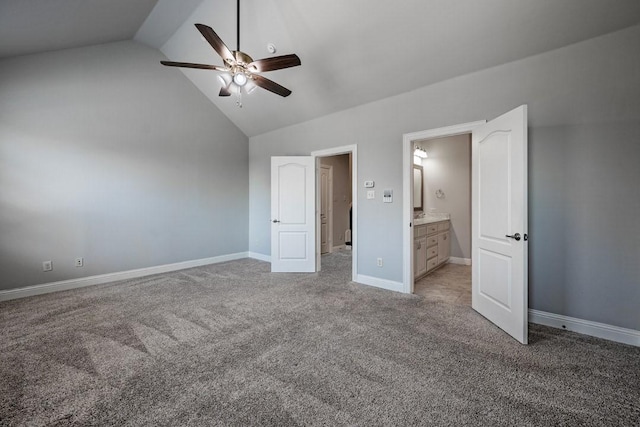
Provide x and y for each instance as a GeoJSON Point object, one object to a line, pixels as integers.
{"type": "Point", "coordinates": [275, 220]}
{"type": "Point", "coordinates": [515, 236]}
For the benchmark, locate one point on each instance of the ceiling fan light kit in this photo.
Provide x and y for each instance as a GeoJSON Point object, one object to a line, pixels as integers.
{"type": "Point", "coordinates": [242, 70]}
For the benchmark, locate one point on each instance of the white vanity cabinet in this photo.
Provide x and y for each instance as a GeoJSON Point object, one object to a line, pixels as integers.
{"type": "Point", "coordinates": [431, 247]}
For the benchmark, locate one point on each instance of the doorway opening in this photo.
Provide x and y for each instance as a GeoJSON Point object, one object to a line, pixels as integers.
{"type": "Point", "coordinates": [336, 205]}
{"type": "Point", "coordinates": [442, 219]}
{"type": "Point", "coordinates": [413, 209]}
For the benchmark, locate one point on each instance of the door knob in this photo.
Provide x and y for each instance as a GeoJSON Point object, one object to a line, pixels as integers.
{"type": "Point", "coordinates": [275, 220]}
{"type": "Point", "coordinates": [515, 236]}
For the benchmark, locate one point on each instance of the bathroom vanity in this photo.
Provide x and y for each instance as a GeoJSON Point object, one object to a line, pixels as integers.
{"type": "Point", "coordinates": [431, 244]}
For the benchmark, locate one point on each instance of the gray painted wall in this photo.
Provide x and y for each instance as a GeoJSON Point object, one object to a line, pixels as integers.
{"type": "Point", "coordinates": [448, 168]}
{"type": "Point", "coordinates": [107, 155]}
{"type": "Point", "coordinates": [584, 146]}
{"type": "Point", "coordinates": [341, 195]}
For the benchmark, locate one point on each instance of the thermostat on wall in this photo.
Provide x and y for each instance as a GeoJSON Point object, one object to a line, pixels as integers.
{"type": "Point", "coordinates": [369, 184]}
{"type": "Point", "coordinates": [387, 196]}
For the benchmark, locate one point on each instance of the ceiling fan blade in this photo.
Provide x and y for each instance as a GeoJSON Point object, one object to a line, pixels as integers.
{"type": "Point", "coordinates": [216, 42]}
{"type": "Point", "coordinates": [275, 63]}
{"type": "Point", "coordinates": [191, 65]}
{"type": "Point", "coordinates": [224, 90]}
{"type": "Point", "coordinates": [270, 85]}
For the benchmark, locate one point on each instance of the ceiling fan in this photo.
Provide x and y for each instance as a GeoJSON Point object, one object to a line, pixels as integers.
{"type": "Point", "coordinates": [240, 67]}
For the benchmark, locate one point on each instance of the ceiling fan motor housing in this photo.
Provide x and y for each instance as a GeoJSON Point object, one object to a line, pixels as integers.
{"type": "Point", "coordinates": [242, 58]}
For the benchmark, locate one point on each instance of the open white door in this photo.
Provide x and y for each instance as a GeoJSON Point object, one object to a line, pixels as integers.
{"type": "Point", "coordinates": [293, 232]}
{"type": "Point", "coordinates": [499, 222]}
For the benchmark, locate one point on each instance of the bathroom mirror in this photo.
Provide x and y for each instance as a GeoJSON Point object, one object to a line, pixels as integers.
{"type": "Point", "coordinates": [417, 188]}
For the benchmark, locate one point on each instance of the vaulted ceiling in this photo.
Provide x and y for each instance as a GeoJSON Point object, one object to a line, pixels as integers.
{"type": "Point", "coordinates": [352, 52]}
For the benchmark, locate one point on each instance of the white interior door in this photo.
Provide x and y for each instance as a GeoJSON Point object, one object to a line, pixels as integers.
{"type": "Point", "coordinates": [293, 214]}
{"type": "Point", "coordinates": [499, 222]}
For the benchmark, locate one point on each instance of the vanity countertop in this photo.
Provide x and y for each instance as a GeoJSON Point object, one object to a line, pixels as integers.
{"type": "Point", "coordinates": [429, 219]}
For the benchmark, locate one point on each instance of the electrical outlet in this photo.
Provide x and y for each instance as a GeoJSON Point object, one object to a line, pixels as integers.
{"type": "Point", "coordinates": [379, 262]}
{"type": "Point", "coordinates": [47, 265]}
{"type": "Point", "coordinates": [371, 194]}
{"type": "Point", "coordinates": [79, 262]}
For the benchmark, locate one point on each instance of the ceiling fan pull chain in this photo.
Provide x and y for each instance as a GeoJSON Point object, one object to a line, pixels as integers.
{"type": "Point", "coordinates": [239, 97]}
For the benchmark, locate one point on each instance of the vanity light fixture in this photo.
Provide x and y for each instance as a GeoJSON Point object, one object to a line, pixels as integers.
{"type": "Point", "coordinates": [420, 152]}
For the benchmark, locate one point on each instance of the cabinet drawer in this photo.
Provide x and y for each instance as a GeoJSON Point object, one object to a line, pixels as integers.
{"type": "Point", "coordinates": [432, 241]}
{"type": "Point", "coordinates": [432, 263]}
{"type": "Point", "coordinates": [432, 228]}
{"type": "Point", "coordinates": [443, 226]}
{"type": "Point", "coordinates": [420, 231]}
{"type": "Point", "coordinates": [432, 251]}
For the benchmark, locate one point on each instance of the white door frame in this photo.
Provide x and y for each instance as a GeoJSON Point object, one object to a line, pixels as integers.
{"type": "Point", "coordinates": [408, 140]}
{"type": "Point", "coordinates": [329, 207]}
{"type": "Point", "coordinates": [345, 149]}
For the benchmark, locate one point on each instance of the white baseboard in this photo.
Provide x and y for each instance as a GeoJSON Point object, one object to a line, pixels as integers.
{"type": "Point", "coordinates": [260, 257]}
{"type": "Point", "coordinates": [81, 282]}
{"type": "Point", "coordinates": [379, 283]}
{"type": "Point", "coordinates": [461, 261]}
{"type": "Point", "coordinates": [587, 327]}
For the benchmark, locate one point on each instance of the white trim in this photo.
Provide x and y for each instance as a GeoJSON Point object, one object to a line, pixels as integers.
{"type": "Point", "coordinates": [379, 283]}
{"type": "Point", "coordinates": [407, 193]}
{"type": "Point", "coordinates": [335, 151]}
{"type": "Point", "coordinates": [346, 149]}
{"type": "Point", "coordinates": [260, 257]}
{"type": "Point", "coordinates": [81, 282]}
{"type": "Point", "coordinates": [587, 327]}
{"type": "Point", "coordinates": [459, 261]}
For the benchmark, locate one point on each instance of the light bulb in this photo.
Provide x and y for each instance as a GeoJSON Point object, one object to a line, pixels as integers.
{"type": "Point", "coordinates": [240, 79]}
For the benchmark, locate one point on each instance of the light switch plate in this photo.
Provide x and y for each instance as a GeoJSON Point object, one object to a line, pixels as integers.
{"type": "Point", "coordinates": [369, 184]}
{"type": "Point", "coordinates": [371, 194]}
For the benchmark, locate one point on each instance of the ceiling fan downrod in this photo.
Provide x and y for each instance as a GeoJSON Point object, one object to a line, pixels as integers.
{"type": "Point", "coordinates": [238, 25]}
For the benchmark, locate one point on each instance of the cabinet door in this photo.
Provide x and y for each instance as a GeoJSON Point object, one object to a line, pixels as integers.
{"type": "Point", "coordinates": [444, 247]}
{"type": "Point", "coordinates": [420, 256]}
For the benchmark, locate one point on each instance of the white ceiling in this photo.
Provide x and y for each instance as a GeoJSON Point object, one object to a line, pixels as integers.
{"type": "Point", "coordinates": [352, 52]}
{"type": "Point", "coordinates": [33, 26]}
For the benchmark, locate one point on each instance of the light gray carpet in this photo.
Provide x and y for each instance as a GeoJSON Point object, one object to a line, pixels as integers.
{"type": "Point", "coordinates": [232, 344]}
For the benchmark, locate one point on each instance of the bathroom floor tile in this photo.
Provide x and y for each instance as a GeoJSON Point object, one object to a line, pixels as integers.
{"type": "Point", "coordinates": [451, 283]}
